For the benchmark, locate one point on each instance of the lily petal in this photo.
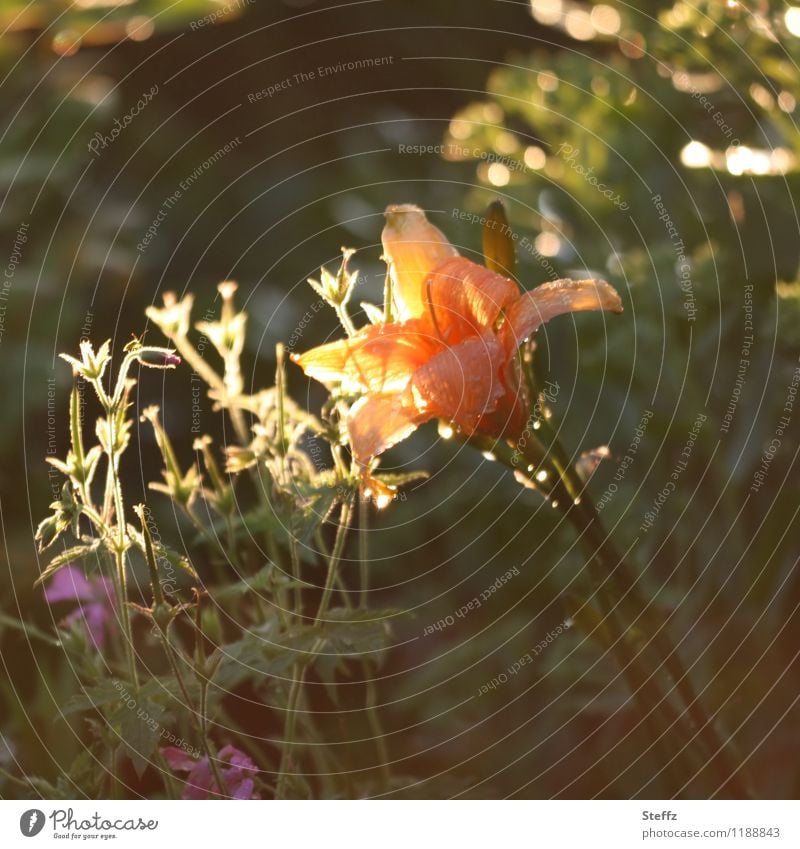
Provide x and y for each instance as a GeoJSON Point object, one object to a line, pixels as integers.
{"type": "Point", "coordinates": [412, 247]}
{"type": "Point", "coordinates": [461, 384]}
{"type": "Point", "coordinates": [376, 422]}
{"type": "Point", "coordinates": [381, 358]}
{"type": "Point", "coordinates": [510, 415]}
{"type": "Point", "coordinates": [465, 298]}
{"type": "Point", "coordinates": [534, 308]}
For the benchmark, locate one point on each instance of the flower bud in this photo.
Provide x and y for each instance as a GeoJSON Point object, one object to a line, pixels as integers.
{"type": "Point", "coordinates": [412, 247]}
{"type": "Point", "coordinates": [158, 358]}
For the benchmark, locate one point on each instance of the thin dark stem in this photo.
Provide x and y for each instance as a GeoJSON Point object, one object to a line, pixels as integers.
{"type": "Point", "coordinates": [618, 593]}
{"type": "Point", "coordinates": [587, 521]}
{"type": "Point", "coordinates": [627, 589]}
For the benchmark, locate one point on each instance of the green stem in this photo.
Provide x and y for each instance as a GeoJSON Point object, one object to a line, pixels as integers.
{"type": "Point", "coordinates": [121, 585]}
{"type": "Point", "coordinates": [170, 784]}
{"type": "Point", "coordinates": [201, 367]}
{"type": "Point", "coordinates": [298, 669]}
{"type": "Point", "coordinates": [622, 592]}
{"type": "Point", "coordinates": [342, 530]}
{"type": "Point", "coordinates": [208, 746]}
{"type": "Point", "coordinates": [363, 549]}
{"type": "Point", "coordinates": [587, 522]}
{"type": "Point", "coordinates": [198, 718]}
{"type": "Point", "coordinates": [294, 557]}
{"type": "Point", "coordinates": [657, 713]}
{"type": "Point", "coordinates": [295, 689]}
{"type": "Point", "coordinates": [345, 320]}
{"type": "Point", "coordinates": [371, 690]}
{"type": "Point", "coordinates": [730, 772]}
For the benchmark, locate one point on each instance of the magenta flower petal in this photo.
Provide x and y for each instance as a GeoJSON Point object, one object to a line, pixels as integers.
{"type": "Point", "coordinates": [198, 783]}
{"type": "Point", "coordinates": [245, 789]}
{"type": "Point", "coordinates": [231, 755]}
{"type": "Point", "coordinates": [93, 617]}
{"type": "Point", "coordinates": [68, 584]}
{"type": "Point", "coordinates": [236, 769]}
{"type": "Point", "coordinates": [96, 615]}
{"type": "Point", "coordinates": [178, 759]}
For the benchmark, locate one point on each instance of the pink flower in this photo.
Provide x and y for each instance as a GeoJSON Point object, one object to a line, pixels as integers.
{"type": "Point", "coordinates": [95, 597]}
{"type": "Point", "coordinates": [236, 768]}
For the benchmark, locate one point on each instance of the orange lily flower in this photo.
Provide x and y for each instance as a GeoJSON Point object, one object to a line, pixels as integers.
{"type": "Point", "coordinates": [452, 353]}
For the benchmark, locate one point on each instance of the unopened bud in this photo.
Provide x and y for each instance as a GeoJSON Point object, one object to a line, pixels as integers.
{"type": "Point", "coordinates": [158, 358]}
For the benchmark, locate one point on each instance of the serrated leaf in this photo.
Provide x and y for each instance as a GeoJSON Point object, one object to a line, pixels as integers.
{"type": "Point", "coordinates": [165, 691]}
{"type": "Point", "coordinates": [50, 791]}
{"type": "Point", "coordinates": [258, 583]}
{"type": "Point", "coordinates": [69, 555]}
{"type": "Point", "coordinates": [259, 658]}
{"type": "Point", "coordinates": [301, 523]}
{"type": "Point", "coordinates": [95, 697]}
{"type": "Point", "coordinates": [139, 723]}
{"type": "Point", "coordinates": [84, 772]}
{"type": "Point", "coordinates": [357, 632]}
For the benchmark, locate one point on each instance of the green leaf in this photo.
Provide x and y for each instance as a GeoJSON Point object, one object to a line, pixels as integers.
{"type": "Point", "coordinates": [166, 691]}
{"type": "Point", "coordinates": [402, 478]}
{"type": "Point", "coordinates": [257, 657]}
{"type": "Point", "coordinates": [93, 698]}
{"type": "Point", "coordinates": [84, 771]}
{"type": "Point", "coordinates": [258, 583]}
{"type": "Point", "coordinates": [139, 723]}
{"type": "Point", "coordinates": [357, 632]}
{"type": "Point", "coordinates": [69, 555]}
{"type": "Point", "coordinates": [276, 523]}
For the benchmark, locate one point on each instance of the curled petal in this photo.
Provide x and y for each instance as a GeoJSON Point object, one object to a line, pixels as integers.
{"type": "Point", "coordinates": [376, 422]}
{"type": "Point", "coordinates": [465, 298]}
{"type": "Point", "coordinates": [461, 384]}
{"type": "Point", "coordinates": [551, 299]}
{"type": "Point", "coordinates": [381, 358]}
{"type": "Point", "coordinates": [178, 759]}
{"type": "Point", "coordinates": [412, 247]}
